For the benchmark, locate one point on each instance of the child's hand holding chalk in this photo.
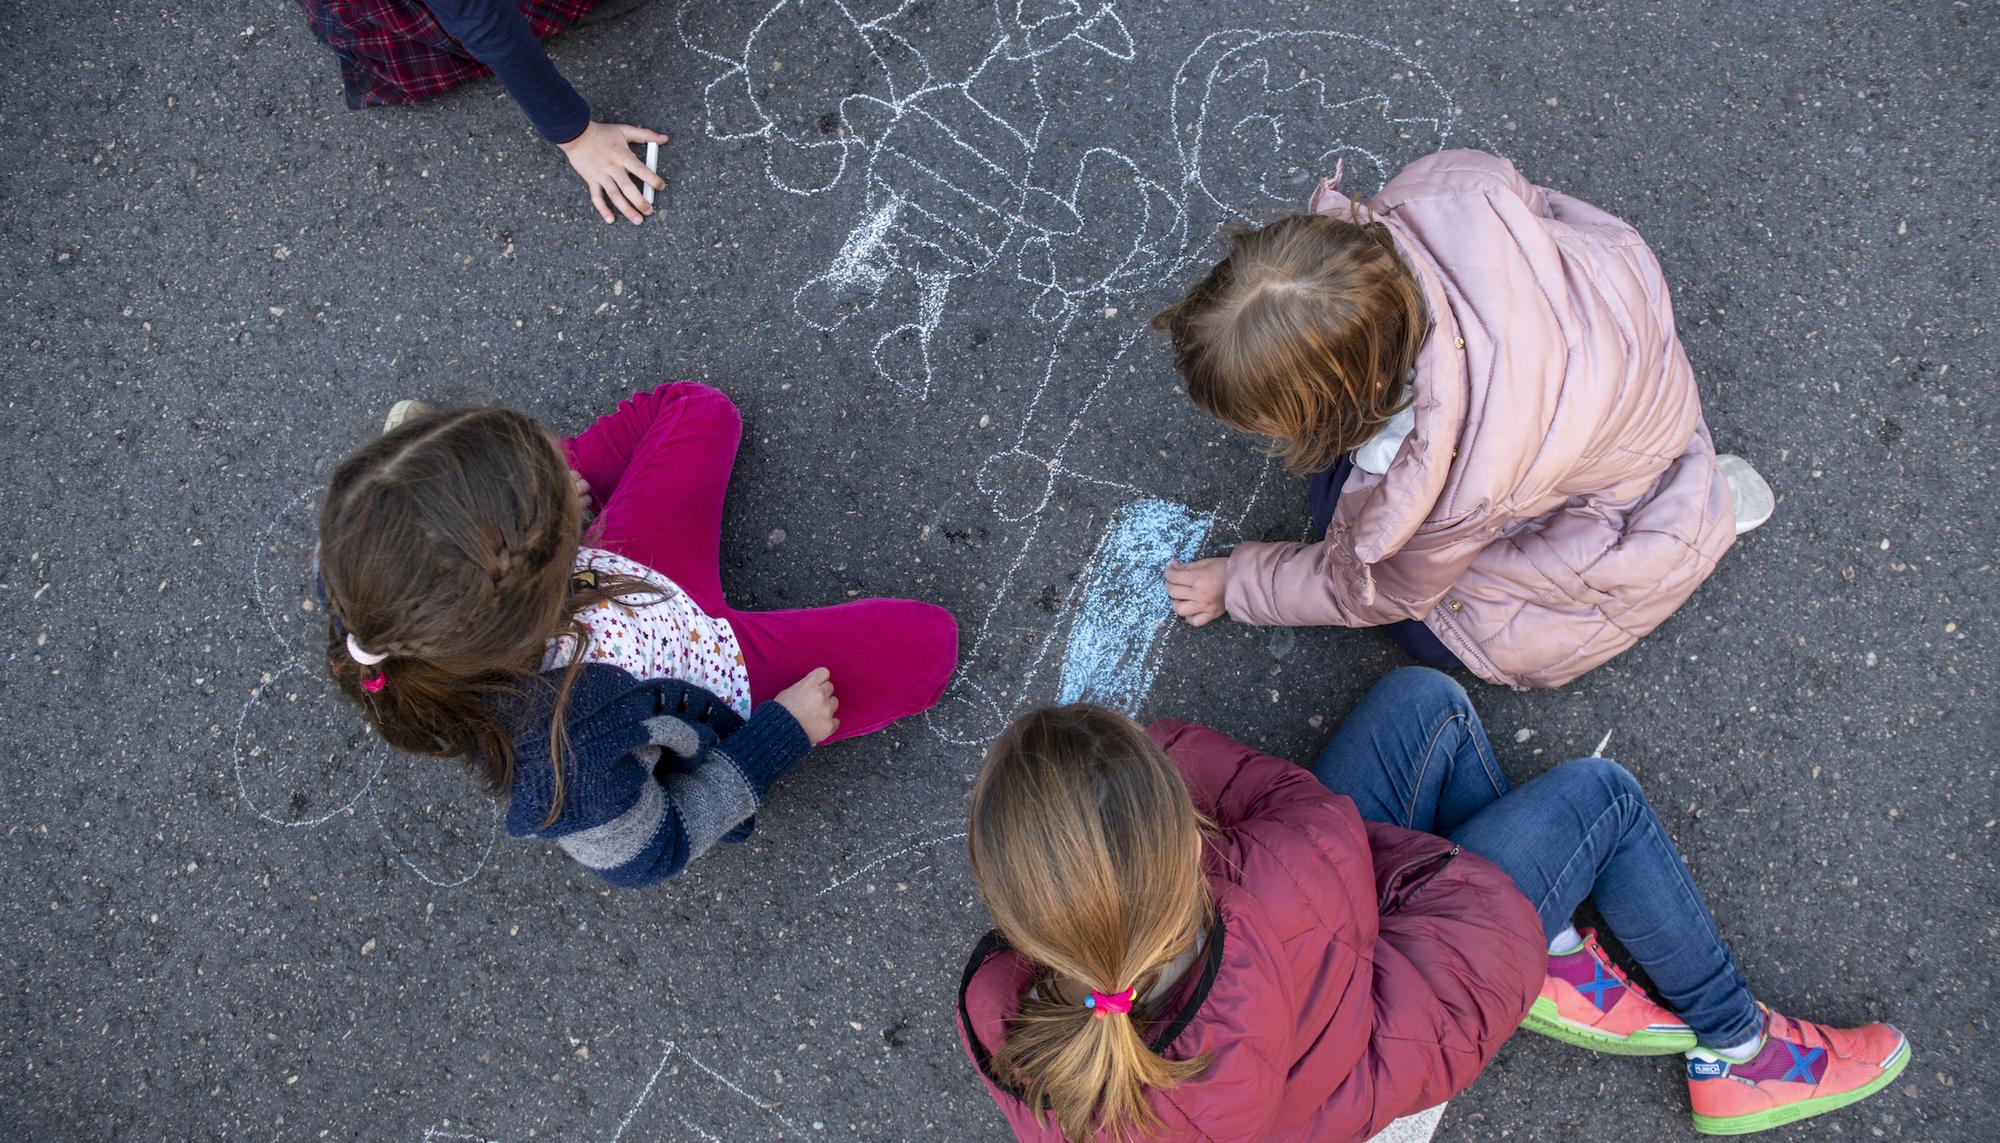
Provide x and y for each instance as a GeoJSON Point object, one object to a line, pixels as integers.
{"type": "Point", "coordinates": [1197, 589]}
{"type": "Point", "coordinates": [602, 157]}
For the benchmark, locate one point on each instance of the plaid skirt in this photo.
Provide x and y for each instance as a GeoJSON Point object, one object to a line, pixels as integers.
{"type": "Point", "coordinates": [394, 51]}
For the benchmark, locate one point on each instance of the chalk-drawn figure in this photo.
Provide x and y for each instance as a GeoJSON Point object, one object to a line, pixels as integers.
{"type": "Point", "coordinates": [958, 182]}
{"type": "Point", "coordinates": [299, 758]}
{"type": "Point", "coordinates": [950, 177]}
{"type": "Point", "coordinates": [1041, 26]}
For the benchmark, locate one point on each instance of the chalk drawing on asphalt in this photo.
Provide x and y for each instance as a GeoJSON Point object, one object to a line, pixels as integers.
{"type": "Point", "coordinates": [1118, 619]}
{"type": "Point", "coordinates": [300, 757]}
{"type": "Point", "coordinates": [921, 839]}
{"type": "Point", "coordinates": [949, 183]}
{"type": "Point", "coordinates": [763, 1112]}
{"type": "Point", "coordinates": [956, 179]}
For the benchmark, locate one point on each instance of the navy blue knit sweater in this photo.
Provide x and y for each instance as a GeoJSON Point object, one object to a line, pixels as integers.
{"type": "Point", "coordinates": [658, 771]}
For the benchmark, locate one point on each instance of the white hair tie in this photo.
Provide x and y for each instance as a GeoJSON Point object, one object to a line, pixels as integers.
{"type": "Point", "coordinates": [365, 658]}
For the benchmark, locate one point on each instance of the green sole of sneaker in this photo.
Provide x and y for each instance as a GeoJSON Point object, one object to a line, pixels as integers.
{"type": "Point", "coordinates": [1543, 1021]}
{"type": "Point", "coordinates": [1805, 1108]}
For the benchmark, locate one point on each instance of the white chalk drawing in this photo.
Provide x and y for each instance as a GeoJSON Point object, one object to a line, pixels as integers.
{"type": "Point", "coordinates": [313, 742]}
{"type": "Point", "coordinates": [672, 1054]}
{"type": "Point", "coordinates": [950, 184]}
{"type": "Point", "coordinates": [954, 179]}
{"type": "Point", "coordinates": [936, 169]}
{"type": "Point", "coordinates": [927, 837]}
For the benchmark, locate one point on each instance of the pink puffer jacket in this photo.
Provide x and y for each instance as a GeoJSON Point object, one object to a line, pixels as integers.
{"type": "Point", "coordinates": [1559, 496]}
{"type": "Point", "coordinates": [1358, 972]}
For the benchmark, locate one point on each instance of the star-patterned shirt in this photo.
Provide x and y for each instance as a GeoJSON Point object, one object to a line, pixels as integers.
{"type": "Point", "coordinates": [663, 637]}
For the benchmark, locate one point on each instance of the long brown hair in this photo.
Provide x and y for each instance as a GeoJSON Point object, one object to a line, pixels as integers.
{"type": "Point", "coordinates": [1305, 332]}
{"type": "Point", "coordinates": [1087, 849]}
{"type": "Point", "coordinates": [447, 545]}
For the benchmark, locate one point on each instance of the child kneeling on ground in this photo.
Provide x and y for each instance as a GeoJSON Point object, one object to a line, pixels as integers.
{"type": "Point", "coordinates": [596, 679]}
{"type": "Point", "coordinates": [1504, 442]}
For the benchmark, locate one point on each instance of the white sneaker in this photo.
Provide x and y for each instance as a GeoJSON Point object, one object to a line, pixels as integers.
{"type": "Point", "coordinates": [1748, 490]}
{"type": "Point", "coordinates": [403, 410]}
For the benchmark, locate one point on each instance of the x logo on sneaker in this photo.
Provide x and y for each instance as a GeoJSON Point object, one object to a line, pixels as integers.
{"type": "Point", "coordinates": [1802, 1062]}
{"type": "Point", "coordinates": [1597, 988]}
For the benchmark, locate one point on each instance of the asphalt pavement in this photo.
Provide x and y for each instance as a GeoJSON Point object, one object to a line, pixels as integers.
{"type": "Point", "coordinates": [918, 245]}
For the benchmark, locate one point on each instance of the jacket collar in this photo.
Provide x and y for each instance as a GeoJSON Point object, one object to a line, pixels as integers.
{"type": "Point", "coordinates": [1384, 512]}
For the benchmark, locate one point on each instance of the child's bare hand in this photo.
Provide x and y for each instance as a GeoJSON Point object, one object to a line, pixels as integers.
{"type": "Point", "coordinates": [812, 703]}
{"type": "Point", "coordinates": [603, 159]}
{"type": "Point", "coordinates": [1197, 589]}
{"type": "Point", "coordinates": [581, 488]}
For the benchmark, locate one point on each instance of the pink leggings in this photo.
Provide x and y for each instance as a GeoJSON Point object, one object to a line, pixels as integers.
{"type": "Point", "coordinates": [658, 468]}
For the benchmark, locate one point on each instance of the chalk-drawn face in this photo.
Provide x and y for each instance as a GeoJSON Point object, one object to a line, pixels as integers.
{"type": "Point", "coordinates": [1262, 117]}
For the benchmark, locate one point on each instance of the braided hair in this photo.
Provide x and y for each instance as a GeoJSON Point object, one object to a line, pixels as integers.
{"type": "Point", "coordinates": [446, 547]}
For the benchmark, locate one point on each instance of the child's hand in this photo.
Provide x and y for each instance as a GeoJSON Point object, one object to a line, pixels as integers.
{"type": "Point", "coordinates": [811, 702]}
{"type": "Point", "coordinates": [603, 159]}
{"type": "Point", "coordinates": [1197, 588]}
{"type": "Point", "coordinates": [582, 489]}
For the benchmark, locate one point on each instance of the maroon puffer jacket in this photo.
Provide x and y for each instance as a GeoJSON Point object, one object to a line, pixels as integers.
{"type": "Point", "coordinates": [1359, 972]}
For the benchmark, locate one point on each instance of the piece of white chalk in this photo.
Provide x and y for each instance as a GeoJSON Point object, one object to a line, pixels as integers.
{"type": "Point", "coordinates": [1601, 744]}
{"type": "Point", "coordinates": [653, 165]}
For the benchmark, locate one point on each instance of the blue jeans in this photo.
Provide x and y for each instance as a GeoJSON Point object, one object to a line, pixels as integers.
{"type": "Point", "coordinates": [1413, 754]}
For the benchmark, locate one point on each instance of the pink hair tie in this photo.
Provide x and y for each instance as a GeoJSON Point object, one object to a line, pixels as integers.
{"type": "Point", "coordinates": [374, 683]}
{"type": "Point", "coordinates": [1103, 1005]}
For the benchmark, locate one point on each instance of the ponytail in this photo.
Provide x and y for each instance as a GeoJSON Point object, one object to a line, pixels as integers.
{"type": "Point", "coordinates": [1090, 1073]}
{"type": "Point", "coordinates": [1087, 850]}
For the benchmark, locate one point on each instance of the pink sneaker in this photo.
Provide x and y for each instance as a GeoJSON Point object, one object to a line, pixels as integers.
{"type": "Point", "coordinates": [1588, 1001]}
{"type": "Point", "coordinates": [1802, 1070]}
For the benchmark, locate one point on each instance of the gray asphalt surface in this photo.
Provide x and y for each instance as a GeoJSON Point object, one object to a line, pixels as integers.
{"type": "Point", "coordinates": [229, 916]}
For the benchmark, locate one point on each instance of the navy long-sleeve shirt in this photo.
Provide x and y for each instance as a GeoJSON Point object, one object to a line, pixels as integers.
{"type": "Point", "coordinates": [496, 33]}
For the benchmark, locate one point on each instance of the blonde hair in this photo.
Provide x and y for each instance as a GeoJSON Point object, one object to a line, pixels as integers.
{"type": "Point", "coordinates": [1087, 849]}
{"type": "Point", "coordinates": [1305, 332]}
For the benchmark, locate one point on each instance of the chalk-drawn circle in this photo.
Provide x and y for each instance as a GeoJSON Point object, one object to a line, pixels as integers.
{"type": "Point", "coordinates": [283, 575]}
{"type": "Point", "coordinates": [790, 92]}
{"type": "Point", "coordinates": [1018, 484]}
{"type": "Point", "coordinates": [435, 818]}
{"type": "Point", "coordinates": [299, 759]}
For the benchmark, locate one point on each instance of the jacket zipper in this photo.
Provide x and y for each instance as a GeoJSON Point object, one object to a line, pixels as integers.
{"type": "Point", "coordinates": [1478, 653]}
{"type": "Point", "coordinates": [1436, 861]}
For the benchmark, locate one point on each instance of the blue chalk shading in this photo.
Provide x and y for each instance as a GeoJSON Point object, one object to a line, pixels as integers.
{"type": "Point", "coordinates": [1125, 610]}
